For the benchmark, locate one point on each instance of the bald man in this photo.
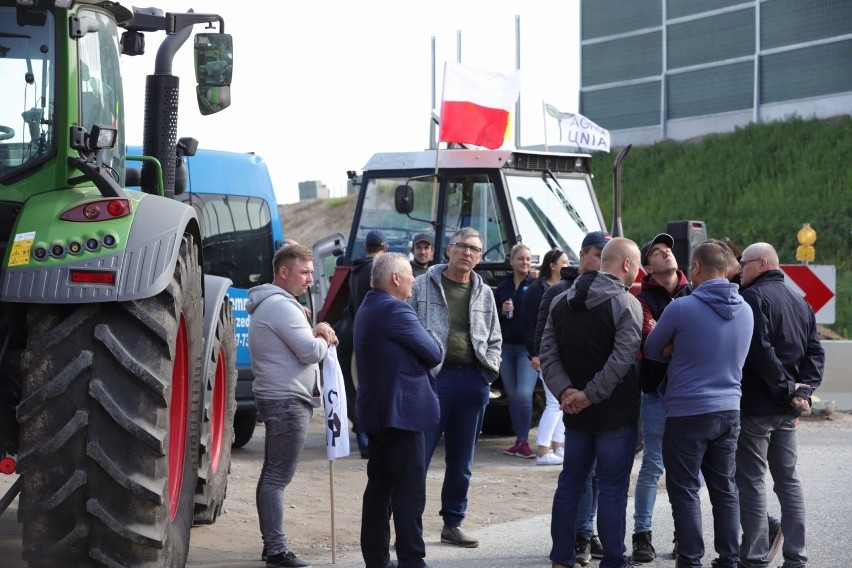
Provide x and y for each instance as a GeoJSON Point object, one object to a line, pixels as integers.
{"type": "Point", "coordinates": [588, 361]}
{"type": "Point", "coordinates": [783, 367]}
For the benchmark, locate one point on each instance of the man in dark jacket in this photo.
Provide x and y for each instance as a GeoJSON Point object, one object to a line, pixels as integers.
{"type": "Point", "coordinates": [588, 360]}
{"type": "Point", "coordinates": [783, 368]}
{"type": "Point", "coordinates": [397, 402]}
{"type": "Point", "coordinates": [663, 282]}
{"type": "Point", "coordinates": [359, 285]}
{"type": "Point", "coordinates": [587, 543]}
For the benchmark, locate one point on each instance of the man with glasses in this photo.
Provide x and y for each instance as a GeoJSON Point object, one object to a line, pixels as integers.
{"type": "Point", "coordinates": [455, 304]}
{"type": "Point", "coordinates": [783, 367]}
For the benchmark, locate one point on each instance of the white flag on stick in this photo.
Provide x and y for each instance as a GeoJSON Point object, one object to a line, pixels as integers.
{"type": "Point", "coordinates": [572, 129]}
{"type": "Point", "coordinates": [334, 401]}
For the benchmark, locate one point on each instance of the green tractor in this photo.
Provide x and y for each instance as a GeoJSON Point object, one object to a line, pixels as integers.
{"type": "Point", "coordinates": [117, 353]}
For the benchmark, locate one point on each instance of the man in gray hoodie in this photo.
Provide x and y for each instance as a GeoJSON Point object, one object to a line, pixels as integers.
{"type": "Point", "coordinates": [453, 302]}
{"type": "Point", "coordinates": [285, 352]}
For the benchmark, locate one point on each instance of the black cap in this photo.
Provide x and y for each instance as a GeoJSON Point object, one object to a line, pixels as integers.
{"type": "Point", "coordinates": [662, 238]}
{"type": "Point", "coordinates": [422, 237]}
{"type": "Point", "coordinates": [375, 238]}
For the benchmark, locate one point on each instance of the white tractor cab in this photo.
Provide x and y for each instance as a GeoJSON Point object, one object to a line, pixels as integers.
{"type": "Point", "coordinates": [544, 200]}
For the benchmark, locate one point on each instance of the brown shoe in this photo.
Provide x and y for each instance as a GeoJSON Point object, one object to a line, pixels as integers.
{"type": "Point", "coordinates": [454, 535]}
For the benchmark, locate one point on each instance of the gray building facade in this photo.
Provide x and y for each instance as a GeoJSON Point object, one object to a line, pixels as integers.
{"type": "Point", "coordinates": [676, 69]}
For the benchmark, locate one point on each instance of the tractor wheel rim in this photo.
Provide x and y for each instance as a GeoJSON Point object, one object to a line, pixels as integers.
{"type": "Point", "coordinates": [217, 418]}
{"type": "Point", "coordinates": [178, 418]}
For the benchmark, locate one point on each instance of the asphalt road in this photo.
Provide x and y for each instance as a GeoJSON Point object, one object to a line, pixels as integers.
{"type": "Point", "coordinates": [825, 465]}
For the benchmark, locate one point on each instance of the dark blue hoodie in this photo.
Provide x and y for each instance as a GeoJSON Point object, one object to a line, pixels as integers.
{"type": "Point", "coordinates": [711, 331]}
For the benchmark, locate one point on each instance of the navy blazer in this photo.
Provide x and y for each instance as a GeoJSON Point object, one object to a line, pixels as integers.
{"type": "Point", "coordinates": [393, 355]}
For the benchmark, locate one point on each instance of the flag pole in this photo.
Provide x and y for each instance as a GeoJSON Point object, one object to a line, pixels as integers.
{"type": "Point", "coordinates": [544, 123]}
{"type": "Point", "coordinates": [333, 528]}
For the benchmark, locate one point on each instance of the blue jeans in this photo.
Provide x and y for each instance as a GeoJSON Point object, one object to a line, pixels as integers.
{"type": "Point", "coordinates": [706, 444]}
{"type": "Point", "coordinates": [613, 450]}
{"type": "Point", "coordinates": [772, 441]}
{"type": "Point", "coordinates": [645, 494]}
{"type": "Point", "coordinates": [462, 396]}
{"type": "Point", "coordinates": [286, 422]}
{"type": "Point", "coordinates": [588, 505]}
{"type": "Point", "coordinates": [519, 381]}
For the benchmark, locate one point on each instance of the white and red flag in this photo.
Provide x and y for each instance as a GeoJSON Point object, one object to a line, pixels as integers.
{"type": "Point", "coordinates": [475, 105]}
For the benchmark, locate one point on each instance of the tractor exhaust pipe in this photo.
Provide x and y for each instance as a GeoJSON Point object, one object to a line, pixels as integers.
{"type": "Point", "coordinates": [617, 230]}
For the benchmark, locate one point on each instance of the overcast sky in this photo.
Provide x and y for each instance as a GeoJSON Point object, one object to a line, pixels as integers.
{"type": "Point", "coordinates": [319, 87]}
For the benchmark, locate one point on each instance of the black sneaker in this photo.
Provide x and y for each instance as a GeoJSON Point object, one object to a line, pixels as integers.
{"type": "Point", "coordinates": [286, 559]}
{"type": "Point", "coordinates": [263, 553]}
{"type": "Point", "coordinates": [582, 550]}
{"type": "Point", "coordinates": [643, 550]}
{"type": "Point", "coordinates": [454, 535]}
{"type": "Point", "coordinates": [597, 548]}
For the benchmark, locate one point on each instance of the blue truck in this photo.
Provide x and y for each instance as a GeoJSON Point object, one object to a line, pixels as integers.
{"type": "Point", "coordinates": [233, 197]}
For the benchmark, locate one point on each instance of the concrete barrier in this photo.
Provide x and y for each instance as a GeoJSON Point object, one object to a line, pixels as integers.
{"type": "Point", "coordinates": [837, 378]}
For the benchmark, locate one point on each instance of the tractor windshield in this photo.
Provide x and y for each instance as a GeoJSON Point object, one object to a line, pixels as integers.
{"type": "Point", "coordinates": [553, 212]}
{"type": "Point", "coordinates": [27, 91]}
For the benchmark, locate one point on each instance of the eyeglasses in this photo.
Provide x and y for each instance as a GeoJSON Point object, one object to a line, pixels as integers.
{"type": "Point", "coordinates": [744, 262]}
{"type": "Point", "coordinates": [464, 246]}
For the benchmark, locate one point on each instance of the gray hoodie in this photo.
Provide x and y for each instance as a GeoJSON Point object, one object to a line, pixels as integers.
{"type": "Point", "coordinates": [284, 352]}
{"type": "Point", "coordinates": [427, 299]}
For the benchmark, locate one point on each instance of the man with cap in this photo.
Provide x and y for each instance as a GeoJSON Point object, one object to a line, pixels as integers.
{"type": "Point", "coordinates": [423, 249]}
{"type": "Point", "coordinates": [663, 282]}
{"type": "Point", "coordinates": [359, 285]}
{"type": "Point", "coordinates": [587, 543]}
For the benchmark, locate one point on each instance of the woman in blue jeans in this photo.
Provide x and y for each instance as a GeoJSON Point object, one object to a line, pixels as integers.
{"type": "Point", "coordinates": [515, 370]}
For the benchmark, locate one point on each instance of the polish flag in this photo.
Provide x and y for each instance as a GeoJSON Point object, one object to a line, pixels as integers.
{"type": "Point", "coordinates": [475, 105]}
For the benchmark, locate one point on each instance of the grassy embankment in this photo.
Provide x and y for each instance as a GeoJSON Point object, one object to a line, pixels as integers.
{"type": "Point", "coordinates": [759, 183]}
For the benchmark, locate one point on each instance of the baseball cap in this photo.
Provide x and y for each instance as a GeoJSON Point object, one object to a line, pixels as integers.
{"type": "Point", "coordinates": [422, 237]}
{"type": "Point", "coordinates": [375, 238]}
{"type": "Point", "coordinates": [662, 238]}
{"type": "Point", "coordinates": [596, 238]}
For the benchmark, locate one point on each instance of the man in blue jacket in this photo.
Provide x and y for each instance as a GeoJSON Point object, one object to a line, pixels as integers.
{"type": "Point", "coordinates": [784, 366]}
{"type": "Point", "coordinates": [704, 337]}
{"type": "Point", "coordinates": [397, 402]}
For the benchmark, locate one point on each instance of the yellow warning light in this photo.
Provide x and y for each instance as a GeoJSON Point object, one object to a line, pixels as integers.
{"type": "Point", "coordinates": [807, 237]}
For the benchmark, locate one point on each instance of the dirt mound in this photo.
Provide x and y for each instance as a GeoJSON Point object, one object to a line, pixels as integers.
{"type": "Point", "coordinates": [309, 221]}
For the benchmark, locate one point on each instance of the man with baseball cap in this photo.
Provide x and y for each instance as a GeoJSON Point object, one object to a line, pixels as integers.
{"type": "Point", "coordinates": [663, 282]}
{"type": "Point", "coordinates": [423, 249]}
{"type": "Point", "coordinates": [587, 543]}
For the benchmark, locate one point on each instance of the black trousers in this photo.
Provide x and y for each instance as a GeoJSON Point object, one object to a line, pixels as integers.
{"type": "Point", "coordinates": [396, 485]}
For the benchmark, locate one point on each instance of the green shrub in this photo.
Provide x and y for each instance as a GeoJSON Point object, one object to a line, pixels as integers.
{"type": "Point", "coordinates": [758, 183]}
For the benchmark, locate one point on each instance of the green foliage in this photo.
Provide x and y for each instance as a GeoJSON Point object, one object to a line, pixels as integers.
{"type": "Point", "coordinates": [337, 201]}
{"type": "Point", "coordinates": [759, 183]}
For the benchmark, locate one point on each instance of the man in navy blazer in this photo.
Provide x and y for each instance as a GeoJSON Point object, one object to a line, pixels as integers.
{"type": "Point", "coordinates": [397, 403]}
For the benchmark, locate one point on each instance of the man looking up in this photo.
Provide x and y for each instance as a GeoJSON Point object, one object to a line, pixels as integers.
{"type": "Point", "coordinates": [663, 282]}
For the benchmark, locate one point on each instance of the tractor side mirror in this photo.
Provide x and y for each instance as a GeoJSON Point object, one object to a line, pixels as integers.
{"type": "Point", "coordinates": [214, 66]}
{"type": "Point", "coordinates": [403, 199]}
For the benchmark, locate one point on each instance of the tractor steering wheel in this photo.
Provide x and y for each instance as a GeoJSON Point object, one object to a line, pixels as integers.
{"type": "Point", "coordinates": [6, 132]}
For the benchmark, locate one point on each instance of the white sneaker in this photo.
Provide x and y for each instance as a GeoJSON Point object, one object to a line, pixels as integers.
{"type": "Point", "coordinates": [550, 458]}
{"type": "Point", "coordinates": [560, 452]}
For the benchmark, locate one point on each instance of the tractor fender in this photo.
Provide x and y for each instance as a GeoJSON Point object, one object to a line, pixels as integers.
{"type": "Point", "coordinates": [153, 246]}
{"type": "Point", "coordinates": [215, 294]}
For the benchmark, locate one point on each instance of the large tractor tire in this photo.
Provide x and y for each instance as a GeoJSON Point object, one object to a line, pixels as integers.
{"type": "Point", "coordinates": [217, 431]}
{"type": "Point", "coordinates": [110, 427]}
